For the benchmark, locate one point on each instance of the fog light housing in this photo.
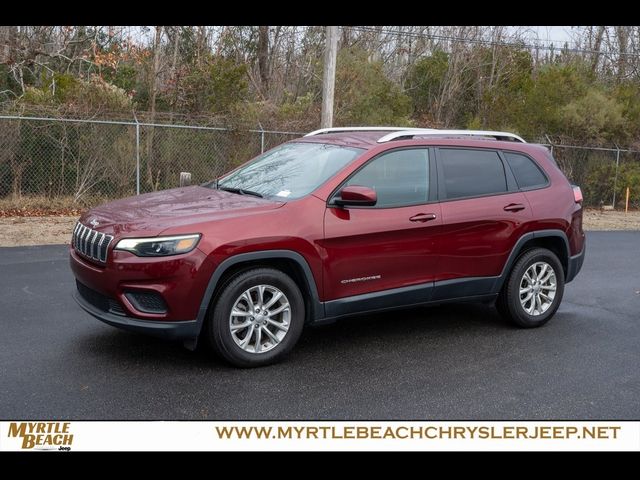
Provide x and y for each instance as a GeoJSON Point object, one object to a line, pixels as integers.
{"type": "Point", "coordinates": [147, 302]}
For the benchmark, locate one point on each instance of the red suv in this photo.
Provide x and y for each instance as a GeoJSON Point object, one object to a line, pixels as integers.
{"type": "Point", "coordinates": [339, 222]}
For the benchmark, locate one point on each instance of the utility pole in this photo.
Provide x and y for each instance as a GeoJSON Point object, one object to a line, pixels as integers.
{"type": "Point", "coordinates": [329, 76]}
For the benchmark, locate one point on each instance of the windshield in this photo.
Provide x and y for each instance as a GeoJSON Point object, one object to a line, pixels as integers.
{"type": "Point", "coordinates": [289, 171]}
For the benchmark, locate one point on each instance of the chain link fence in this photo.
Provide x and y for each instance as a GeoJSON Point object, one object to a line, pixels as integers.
{"type": "Point", "coordinates": [86, 162]}
{"type": "Point", "coordinates": [90, 161]}
{"type": "Point", "coordinates": [603, 174]}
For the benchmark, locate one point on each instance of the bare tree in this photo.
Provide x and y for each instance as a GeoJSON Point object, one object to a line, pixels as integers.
{"type": "Point", "coordinates": [175, 76]}
{"type": "Point", "coordinates": [263, 58]}
{"type": "Point", "coordinates": [596, 47]}
{"type": "Point", "coordinates": [9, 143]}
{"type": "Point", "coordinates": [153, 79]}
{"type": "Point", "coordinates": [622, 34]}
{"type": "Point", "coordinates": [89, 159]}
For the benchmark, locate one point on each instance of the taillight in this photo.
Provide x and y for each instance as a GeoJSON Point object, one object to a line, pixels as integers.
{"type": "Point", "coordinates": [577, 194]}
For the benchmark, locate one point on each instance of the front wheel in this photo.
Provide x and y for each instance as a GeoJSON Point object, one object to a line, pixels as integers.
{"type": "Point", "coordinates": [533, 290]}
{"type": "Point", "coordinates": [257, 319]}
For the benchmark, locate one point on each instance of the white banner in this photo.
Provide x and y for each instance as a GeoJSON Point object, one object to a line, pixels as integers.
{"type": "Point", "coordinates": [318, 435]}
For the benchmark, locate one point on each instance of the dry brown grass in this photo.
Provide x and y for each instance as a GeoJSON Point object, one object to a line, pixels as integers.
{"type": "Point", "coordinates": [19, 231]}
{"type": "Point", "coordinates": [36, 206]}
{"type": "Point", "coordinates": [42, 230]}
{"type": "Point", "coordinates": [611, 220]}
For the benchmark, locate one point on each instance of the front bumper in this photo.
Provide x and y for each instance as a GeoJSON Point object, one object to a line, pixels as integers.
{"type": "Point", "coordinates": [179, 282]}
{"type": "Point", "coordinates": [185, 330]}
{"type": "Point", "coordinates": [575, 263]}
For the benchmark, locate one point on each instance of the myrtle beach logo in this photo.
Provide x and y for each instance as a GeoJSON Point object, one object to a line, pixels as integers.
{"type": "Point", "coordinates": [42, 435]}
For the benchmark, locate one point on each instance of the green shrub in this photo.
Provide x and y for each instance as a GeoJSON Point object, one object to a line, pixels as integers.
{"type": "Point", "coordinates": [594, 117]}
{"type": "Point", "coordinates": [214, 86]}
{"type": "Point", "coordinates": [365, 95]}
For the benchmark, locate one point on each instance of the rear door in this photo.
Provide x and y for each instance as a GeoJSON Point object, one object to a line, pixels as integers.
{"type": "Point", "coordinates": [391, 244]}
{"type": "Point", "coordinates": [483, 215]}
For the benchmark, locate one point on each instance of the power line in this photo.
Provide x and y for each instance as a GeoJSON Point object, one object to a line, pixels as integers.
{"type": "Point", "coordinates": [364, 29]}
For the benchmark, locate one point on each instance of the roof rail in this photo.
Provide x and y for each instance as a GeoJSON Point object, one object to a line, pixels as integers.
{"type": "Point", "coordinates": [355, 129]}
{"type": "Point", "coordinates": [417, 132]}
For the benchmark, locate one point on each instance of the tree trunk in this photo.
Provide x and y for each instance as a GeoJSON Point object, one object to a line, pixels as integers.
{"type": "Point", "coordinates": [623, 40]}
{"type": "Point", "coordinates": [200, 41]}
{"type": "Point", "coordinates": [263, 58]}
{"type": "Point", "coordinates": [346, 37]}
{"type": "Point", "coordinates": [174, 69]}
{"type": "Point", "coordinates": [16, 183]}
{"type": "Point", "coordinates": [596, 48]}
{"type": "Point", "coordinates": [8, 43]}
{"type": "Point", "coordinates": [152, 103]}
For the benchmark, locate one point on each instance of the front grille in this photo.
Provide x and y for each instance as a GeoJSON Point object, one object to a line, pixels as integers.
{"type": "Point", "coordinates": [98, 300]}
{"type": "Point", "coordinates": [90, 243]}
{"type": "Point", "coordinates": [147, 302]}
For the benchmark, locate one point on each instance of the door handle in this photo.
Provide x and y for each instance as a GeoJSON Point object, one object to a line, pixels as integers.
{"type": "Point", "coordinates": [514, 207]}
{"type": "Point", "coordinates": [423, 217]}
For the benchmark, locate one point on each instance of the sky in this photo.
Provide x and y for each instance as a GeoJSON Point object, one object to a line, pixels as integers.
{"type": "Point", "coordinates": [542, 35]}
{"type": "Point", "coordinates": [550, 34]}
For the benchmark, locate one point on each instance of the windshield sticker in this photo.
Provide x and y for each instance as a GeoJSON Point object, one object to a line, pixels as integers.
{"type": "Point", "coordinates": [283, 193]}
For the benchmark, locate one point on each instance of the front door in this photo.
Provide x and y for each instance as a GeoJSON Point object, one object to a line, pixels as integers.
{"type": "Point", "coordinates": [389, 245]}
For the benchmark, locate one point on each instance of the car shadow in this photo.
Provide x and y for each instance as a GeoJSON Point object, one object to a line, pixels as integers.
{"type": "Point", "coordinates": [389, 330]}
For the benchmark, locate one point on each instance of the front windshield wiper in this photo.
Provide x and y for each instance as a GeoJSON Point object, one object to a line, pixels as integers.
{"type": "Point", "coordinates": [240, 191]}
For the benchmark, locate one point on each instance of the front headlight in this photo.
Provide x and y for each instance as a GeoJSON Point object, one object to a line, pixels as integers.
{"type": "Point", "coordinates": [159, 246]}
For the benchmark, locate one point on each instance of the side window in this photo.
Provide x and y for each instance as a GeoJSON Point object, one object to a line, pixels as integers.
{"type": "Point", "coordinates": [470, 173]}
{"type": "Point", "coordinates": [527, 173]}
{"type": "Point", "coordinates": [399, 178]}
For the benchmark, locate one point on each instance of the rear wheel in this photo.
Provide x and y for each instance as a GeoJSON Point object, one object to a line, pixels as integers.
{"type": "Point", "coordinates": [257, 319]}
{"type": "Point", "coordinates": [533, 291]}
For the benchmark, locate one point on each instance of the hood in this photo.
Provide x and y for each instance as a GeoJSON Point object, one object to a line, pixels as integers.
{"type": "Point", "coordinates": [152, 213]}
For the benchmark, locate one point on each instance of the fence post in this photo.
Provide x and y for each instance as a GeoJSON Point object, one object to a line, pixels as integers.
{"type": "Point", "coordinates": [261, 140]}
{"type": "Point", "coordinates": [550, 143]}
{"type": "Point", "coordinates": [615, 178]}
{"type": "Point", "coordinates": [137, 154]}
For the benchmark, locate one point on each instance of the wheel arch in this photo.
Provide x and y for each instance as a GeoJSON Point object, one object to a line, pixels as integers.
{"type": "Point", "coordinates": [292, 263]}
{"type": "Point", "coordinates": [553, 240]}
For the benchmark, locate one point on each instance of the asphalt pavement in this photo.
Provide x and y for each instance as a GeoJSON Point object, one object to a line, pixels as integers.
{"type": "Point", "coordinates": [448, 362]}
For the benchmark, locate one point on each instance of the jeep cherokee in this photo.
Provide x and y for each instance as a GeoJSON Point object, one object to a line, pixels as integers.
{"type": "Point", "coordinates": [341, 221]}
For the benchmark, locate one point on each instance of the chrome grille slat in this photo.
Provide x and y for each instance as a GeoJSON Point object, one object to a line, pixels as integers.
{"type": "Point", "coordinates": [90, 243]}
{"type": "Point", "coordinates": [83, 234]}
{"type": "Point", "coordinates": [79, 237]}
{"type": "Point", "coordinates": [75, 231]}
{"type": "Point", "coordinates": [86, 240]}
{"type": "Point", "coordinates": [100, 247]}
{"type": "Point", "coordinates": [78, 233]}
{"type": "Point", "coordinates": [106, 247]}
{"type": "Point", "coordinates": [87, 245]}
{"type": "Point", "coordinates": [93, 245]}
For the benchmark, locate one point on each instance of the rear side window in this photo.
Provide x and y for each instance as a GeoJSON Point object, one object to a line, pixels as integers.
{"type": "Point", "coordinates": [527, 173]}
{"type": "Point", "coordinates": [471, 173]}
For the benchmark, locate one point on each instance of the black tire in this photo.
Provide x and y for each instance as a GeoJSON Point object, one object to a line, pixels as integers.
{"type": "Point", "coordinates": [509, 304]}
{"type": "Point", "coordinates": [219, 334]}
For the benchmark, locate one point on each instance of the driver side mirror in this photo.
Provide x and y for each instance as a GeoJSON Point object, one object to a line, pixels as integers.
{"type": "Point", "coordinates": [356, 196]}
